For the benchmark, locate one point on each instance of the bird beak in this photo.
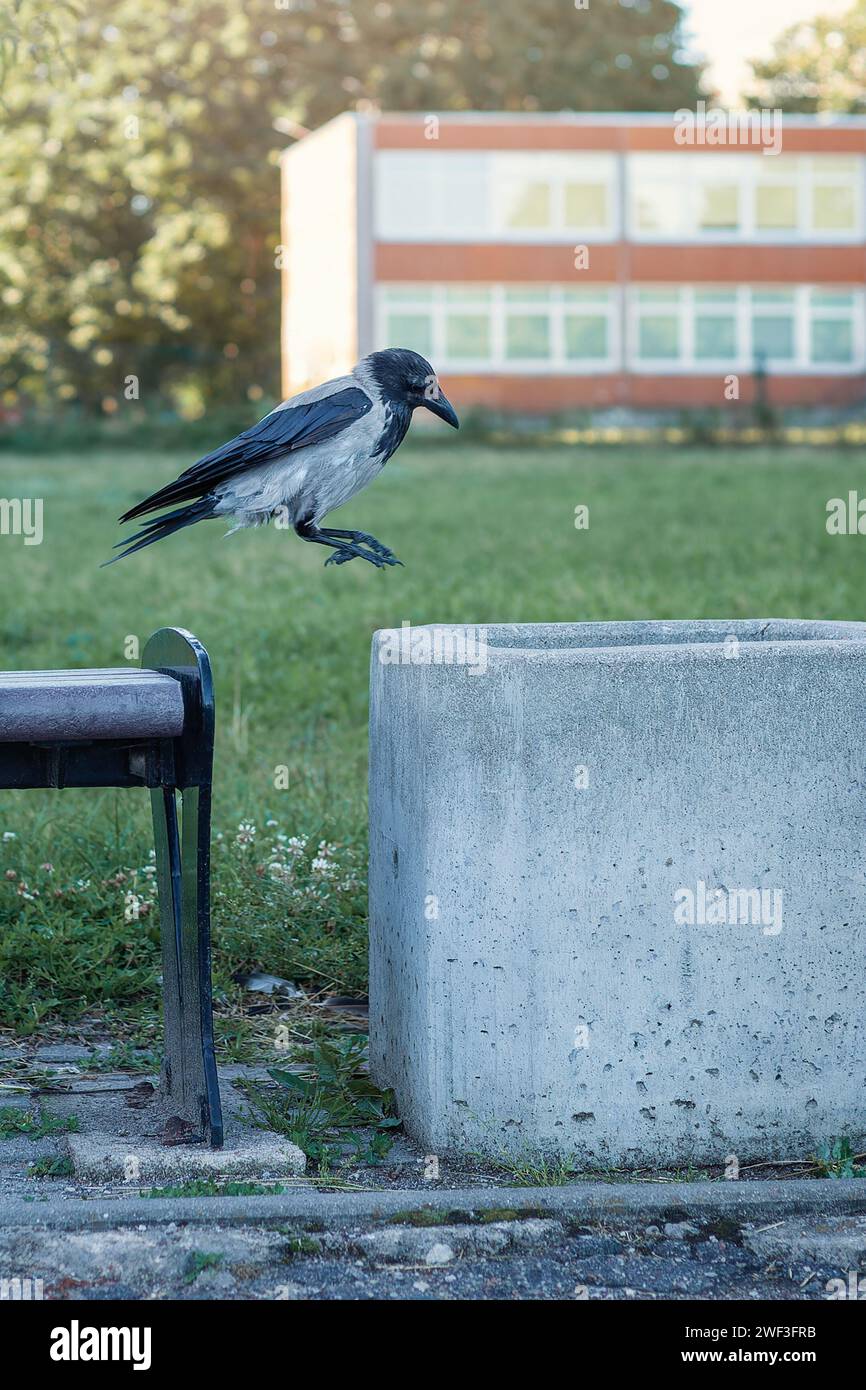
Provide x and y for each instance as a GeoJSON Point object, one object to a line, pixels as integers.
{"type": "Point", "coordinates": [441, 406]}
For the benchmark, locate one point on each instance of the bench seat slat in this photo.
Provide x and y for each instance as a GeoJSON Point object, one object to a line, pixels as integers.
{"type": "Point", "coordinates": [42, 706]}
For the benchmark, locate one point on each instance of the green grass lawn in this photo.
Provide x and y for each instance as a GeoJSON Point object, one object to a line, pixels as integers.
{"type": "Point", "coordinates": [486, 536]}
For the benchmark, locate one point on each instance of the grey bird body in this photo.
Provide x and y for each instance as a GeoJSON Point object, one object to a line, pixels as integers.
{"type": "Point", "coordinates": [304, 459]}
{"type": "Point", "coordinates": [317, 479]}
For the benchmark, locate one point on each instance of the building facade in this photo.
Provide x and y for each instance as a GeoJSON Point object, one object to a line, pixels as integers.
{"type": "Point", "coordinates": [546, 263]}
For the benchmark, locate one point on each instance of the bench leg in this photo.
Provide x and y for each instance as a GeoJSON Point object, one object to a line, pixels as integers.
{"type": "Point", "coordinates": [190, 1087]}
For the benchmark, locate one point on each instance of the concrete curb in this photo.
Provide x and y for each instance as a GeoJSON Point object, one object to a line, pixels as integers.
{"type": "Point", "coordinates": [622, 1202]}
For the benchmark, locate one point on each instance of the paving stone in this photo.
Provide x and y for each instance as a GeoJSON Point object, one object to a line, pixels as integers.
{"type": "Point", "coordinates": [680, 1230]}
{"type": "Point", "coordinates": [407, 1243]}
{"type": "Point", "coordinates": [439, 1254]}
{"type": "Point", "coordinates": [835, 1240]}
{"type": "Point", "coordinates": [100, 1158]}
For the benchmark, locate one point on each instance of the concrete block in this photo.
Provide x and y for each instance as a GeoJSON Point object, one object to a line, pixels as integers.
{"type": "Point", "coordinates": [102, 1158]}
{"type": "Point", "coordinates": [618, 887]}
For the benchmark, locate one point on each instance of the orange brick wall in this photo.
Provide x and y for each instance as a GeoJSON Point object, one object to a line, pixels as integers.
{"type": "Point", "coordinates": [543, 394]}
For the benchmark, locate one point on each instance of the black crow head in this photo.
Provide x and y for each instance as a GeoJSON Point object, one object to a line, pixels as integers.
{"type": "Point", "coordinates": [407, 378]}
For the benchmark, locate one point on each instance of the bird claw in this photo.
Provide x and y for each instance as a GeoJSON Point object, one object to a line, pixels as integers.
{"type": "Point", "coordinates": [370, 541]}
{"type": "Point", "coordinates": [342, 557]}
{"type": "Point", "coordinates": [388, 556]}
{"type": "Point", "coordinates": [375, 554]}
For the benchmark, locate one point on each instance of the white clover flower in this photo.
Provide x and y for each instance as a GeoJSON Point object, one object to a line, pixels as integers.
{"type": "Point", "coordinates": [9, 835]}
{"type": "Point", "coordinates": [246, 834]}
{"type": "Point", "coordinates": [280, 871]}
{"type": "Point", "coordinates": [323, 867]}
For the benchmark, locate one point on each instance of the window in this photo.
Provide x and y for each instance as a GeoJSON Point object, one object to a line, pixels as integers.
{"type": "Point", "coordinates": [412, 331]}
{"type": "Point", "coordinates": [587, 205]}
{"type": "Point", "coordinates": [450, 195]}
{"type": "Point", "coordinates": [745, 196]}
{"type": "Point", "coordinates": [502, 328]}
{"type": "Point", "coordinates": [552, 195]}
{"type": "Point", "coordinates": [421, 197]}
{"type": "Point", "coordinates": [527, 204]}
{"type": "Point", "coordinates": [527, 335]}
{"type": "Point", "coordinates": [833, 207]}
{"type": "Point", "coordinates": [718, 206]}
{"type": "Point", "coordinates": [659, 337]}
{"type": "Point", "coordinates": [658, 325]}
{"type": "Point", "coordinates": [707, 329]}
{"type": "Point", "coordinates": [692, 328]}
{"type": "Point", "coordinates": [773, 327]}
{"type": "Point", "coordinates": [467, 324]}
{"type": "Point", "coordinates": [776, 206]}
{"type": "Point", "coordinates": [832, 327]}
{"type": "Point", "coordinates": [835, 195]}
{"type": "Point", "coordinates": [715, 325]}
{"type": "Point", "coordinates": [586, 325]}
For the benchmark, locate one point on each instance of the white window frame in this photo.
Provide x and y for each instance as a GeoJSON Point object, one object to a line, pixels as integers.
{"type": "Point", "coordinates": [744, 360]}
{"type": "Point", "coordinates": [557, 309]}
{"type": "Point", "coordinates": [557, 167]}
{"type": "Point", "coordinates": [752, 169]}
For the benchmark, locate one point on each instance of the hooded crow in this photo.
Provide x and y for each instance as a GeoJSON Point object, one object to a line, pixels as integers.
{"type": "Point", "coordinates": [305, 458]}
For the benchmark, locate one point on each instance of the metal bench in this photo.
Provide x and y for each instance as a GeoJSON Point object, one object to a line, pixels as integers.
{"type": "Point", "coordinates": [149, 728]}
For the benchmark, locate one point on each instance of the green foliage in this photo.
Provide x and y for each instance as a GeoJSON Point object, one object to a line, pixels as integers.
{"type": "Point", "coordinates": [817, 65]}
{"type": "Point", "coordinates": [530, 1169]}
{"type": "Point", "coordinates": [52, 1168]}
{"type": "Point", "coordinates": [139, 180]}
{"type": "Point", "coordinates": [14, 1121]}
{"type": "Point", "coordinates": [301, 1245]}
{"type": "Point", "coordinates": [422, 1216]}
{"type": "Point", "coordinates": [34, 29]}
{"type": "Point", "coordinates": [835, 1159]}
{"type": "Point", "coordinates": [71, 936]}
{"type": "Point", "coordinates": [123, 1057]}
{"type": "Point", "coordinates": [334, 1112]}
{"type": "Point", "coordinates": [198, 1262]}
{"type": "Point", "coordinates": [205, 1187]}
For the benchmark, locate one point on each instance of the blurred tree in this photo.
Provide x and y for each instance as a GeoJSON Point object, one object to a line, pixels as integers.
{"type": "Point", "coordinates": [139, 191]}
{"type": "Point", "coordinates": [28, 26]}
{"type": "Point", "coordinates": [817, 66]}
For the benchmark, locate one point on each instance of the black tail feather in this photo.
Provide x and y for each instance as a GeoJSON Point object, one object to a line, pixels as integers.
{"type": "Point", "coordinates": [161, 526]}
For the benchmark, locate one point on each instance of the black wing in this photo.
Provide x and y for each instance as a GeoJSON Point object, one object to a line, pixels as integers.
{"type": "Point", "coordinates": [281, 432]}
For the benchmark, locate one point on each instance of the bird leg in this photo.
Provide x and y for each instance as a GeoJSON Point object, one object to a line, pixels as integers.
{"type": "Point", "coordinates": [344, 551]}
{"type": "Point", "coordinates": [363, 538]}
